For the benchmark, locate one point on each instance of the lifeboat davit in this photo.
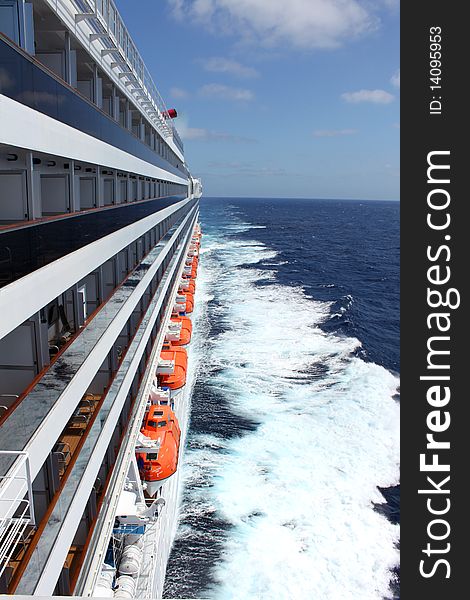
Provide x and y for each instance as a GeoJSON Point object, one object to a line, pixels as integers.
{"type": "Point", "coordinates": [185, 332]}
{"type": "Point", "coordinates": [177, 379]}
{"type": "Point", "coordinates": [160, 425]}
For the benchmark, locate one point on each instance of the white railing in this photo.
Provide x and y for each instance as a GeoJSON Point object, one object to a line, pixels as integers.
{"type": "Point", "coordinates": [107, 27]}
{"type": "Point", "coordinates": [92, 565]}
{"type": "Point", "coordinates": [16, 505]}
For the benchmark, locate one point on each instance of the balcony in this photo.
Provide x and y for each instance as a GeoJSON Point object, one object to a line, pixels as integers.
{"type": "Point", "coordinates": [30, 246]}
{"type": "Point", "coordinates": [25, 80]}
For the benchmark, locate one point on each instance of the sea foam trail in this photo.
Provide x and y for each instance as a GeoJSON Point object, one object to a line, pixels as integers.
{"type": "Point", "coordinates": [298, 491]}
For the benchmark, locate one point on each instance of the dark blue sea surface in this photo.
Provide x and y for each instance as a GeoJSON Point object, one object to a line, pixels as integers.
{"type": "Point", "coordinates": [345, 252]}
{"type": "Point", "coordinates": [309, 289]}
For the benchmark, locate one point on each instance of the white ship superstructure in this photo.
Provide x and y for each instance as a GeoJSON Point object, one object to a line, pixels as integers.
{"type": "Point", "coordinates": [98, 256]}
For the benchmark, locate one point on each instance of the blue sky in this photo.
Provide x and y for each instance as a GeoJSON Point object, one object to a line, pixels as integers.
{"type": "Point", "coordinates": [279, 98]}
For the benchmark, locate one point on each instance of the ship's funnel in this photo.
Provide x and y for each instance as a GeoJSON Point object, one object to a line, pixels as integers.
{"type": "Point", "coordinates": [170, 113]}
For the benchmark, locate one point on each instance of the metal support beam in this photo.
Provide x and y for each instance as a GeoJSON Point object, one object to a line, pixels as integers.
{"type": "Point", "coordinates": [99, 187]}
{"type": "Point", "coordinates": [74, 200]}
{"type": "Point", "coordinates": [22, 23]}
{"type": "Point", "coordinates": [117, 200]}
{"type": "Point", "coordinates": [128, 116]}
{"type": "Point", "coordinates": [109, 51]}
{"type": "Point", "coordinates": [41, 345]}
{"type": "Point", "coordinates": [115, 104]}
{"type": "Point", "coordinates": [83, 16]}
{"type": "Point", "coordinates": [31, 191]}
{"type": "Point", "coordinates": [77, 314]}
{"type": "Point", "coordinates": [129, 194]}
{"type": "Point", "coordinates": [97, 36]}
{"type": "Point", "coordinates": [101, 289]}
{"type": "Point", "coordinates": [68, 62]}
{"type": "Point", "coordinates": [97, 99]}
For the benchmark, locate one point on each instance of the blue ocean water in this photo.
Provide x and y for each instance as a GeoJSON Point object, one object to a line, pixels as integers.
{"type": "Point", "coordinates": [291, 466]}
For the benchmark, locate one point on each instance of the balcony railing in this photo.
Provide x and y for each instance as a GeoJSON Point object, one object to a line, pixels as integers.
{"type": "Point", "coordinates": [16, 507]}
{"type": "Point", "coordinates": [107, 28]}
{"type": "Point", "coordinates": [26, 249]}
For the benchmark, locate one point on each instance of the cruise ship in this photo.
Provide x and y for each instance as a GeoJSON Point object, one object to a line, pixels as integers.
{"type": "Point", "coordinates": [99, 244]}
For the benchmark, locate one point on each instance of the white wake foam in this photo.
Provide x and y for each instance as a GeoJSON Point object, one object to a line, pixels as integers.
{"type": "Point", "coordinates": [299, 491]}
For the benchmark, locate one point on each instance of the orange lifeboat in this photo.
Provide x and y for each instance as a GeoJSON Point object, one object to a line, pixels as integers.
{"type": "Point", "coordinates": [189, 302]}
{"type": "Point", "coordinates": [189, 285]}
{"type": "Point", "coordinates": [184, 303]}
{"type": "Point", "coordinates": [193, 264]}
{"type": "Point", "coordinates": [190, 273]}
{"type": "Point", "coordinates": [177, 379]}
{"type": "Point", "coordinates": [160, 425]}
{"type": "Point", "coordinates": [185, 332]}
{"type": "Point", "coordinates": [187, 272]}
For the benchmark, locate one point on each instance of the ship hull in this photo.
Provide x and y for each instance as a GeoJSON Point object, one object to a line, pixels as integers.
{"type": "Point", "coordinates": [159, 538]}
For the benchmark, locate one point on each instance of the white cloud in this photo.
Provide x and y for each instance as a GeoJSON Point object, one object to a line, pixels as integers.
{"type": "Point", "coordinates": [217, 164]}
{"type": "Point", "coordinates": [218, 64]}
{"type": "Point", "coordinates": [333, 132]}
{"type": "Point", "coordinates": [192, 133]}
{"type": "Point", "coordinates": [178, 93]}
{"type": "Point", "coordinates": [262, 171]}
{"type": "Point", "coordinates": [393, 5]}
{"type": "Point", "coordinates": [225, 92]}
{"type": "Point", "coordinates": [246, 169]}
{"type": "Point", "coordinates": [200, 134]}
{"type": "Point", "coordinates": [298, 23]}
{"type": "Point", "coordinates": [395, 80]}
{"type": "Point", "coordinates": [374, 96]}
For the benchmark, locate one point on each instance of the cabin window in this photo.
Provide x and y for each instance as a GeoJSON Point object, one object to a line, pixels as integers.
{"type": "Point", "coordinates": [151, 424]}
{"type": "Point", "coordinates": [152, 456]}
{"type": "Point", "coordinates": [161, 424]}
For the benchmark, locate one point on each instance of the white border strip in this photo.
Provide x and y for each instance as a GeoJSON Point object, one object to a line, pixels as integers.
{"type": "Point", "coordinates": [25, 127]}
